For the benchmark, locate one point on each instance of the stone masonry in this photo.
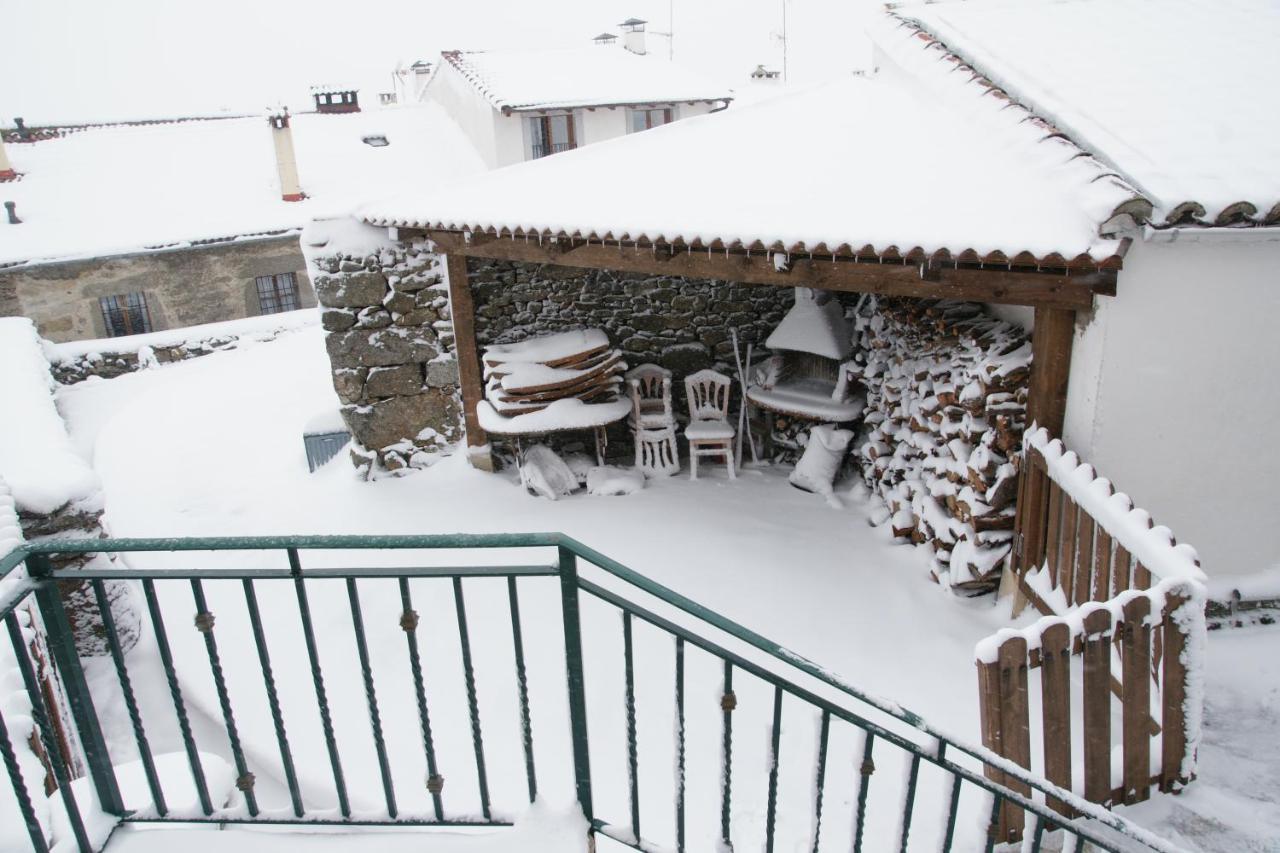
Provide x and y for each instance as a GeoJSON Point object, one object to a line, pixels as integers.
{"type": "Point", "coordinates": [386, 316]}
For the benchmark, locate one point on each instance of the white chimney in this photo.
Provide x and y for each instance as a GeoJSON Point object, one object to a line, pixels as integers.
{"type": "Point", "coordinates": [6, 168]}
{"type": "Point", "coordinates": [633, 35]}
{"type": "Point", "coordinates": [286, 163]}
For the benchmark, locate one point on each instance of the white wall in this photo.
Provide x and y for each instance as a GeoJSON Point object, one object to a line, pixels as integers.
{"type": "Point", "coordinates": [468, 108]}
{"type": "Point", "coordinates": [1174, 392]}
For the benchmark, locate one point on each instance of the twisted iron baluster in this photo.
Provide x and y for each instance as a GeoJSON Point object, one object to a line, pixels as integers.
{"type": "Point", "coordinates": [204, 623]}
{"type": "Point", "coordinates": [409, 622]}
{"type": "Point", "coordinates": [273, 700]}
{"type": "Point", "coordinates": [633, 782]}
{"type": "Point", "coordinates": [375, 720]}
{"type": "Point", "coordinates": [473, 704]}
{"type": "Point", "coordinates": [727, 703]}
{"type": "Point", "coordinates": [823, 734]}
{"type": "Point", "coordinates": [771, 815]}
{"type": "Point", "coordinates": [130, 701]}
{"type": "Point", "coordinates": [179, 707]}
{"type": "Point", "coordinates": [522, 684]}
{"type": "Point", "coordinates": [20, 791]}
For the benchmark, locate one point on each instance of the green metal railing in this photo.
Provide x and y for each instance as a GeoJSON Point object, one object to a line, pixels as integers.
{"type": "Point", "coordinates": [882, 728]}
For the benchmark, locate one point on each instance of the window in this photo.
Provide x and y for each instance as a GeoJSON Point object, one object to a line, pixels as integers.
{"type": "Point", "coordinates": [645, 119]}
{"type": "Point", "coordinates": [125, 314]}
{"type": "Point", "coordinates": [277, 293]}
{"type": "Point", "coordinates": [551, 134]}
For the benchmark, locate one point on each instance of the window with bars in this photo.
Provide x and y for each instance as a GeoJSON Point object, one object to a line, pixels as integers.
{"type": "Point", "coordinates": [277, 293]}
{"type": "Point", "coordinates": [125, 314]}
{"type": "Point", "coordinates": [645, 119]}
{"type": "Point", "coordinates": [551, 134]}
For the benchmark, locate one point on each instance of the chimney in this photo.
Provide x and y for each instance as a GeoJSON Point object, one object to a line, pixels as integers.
{"type": "Point", "coordinates": [23, 133]}
{"type": "Point", "coordinates": [605, 39]}
{"type": "Point", "coordinates": [633, 35]}
{"type": "Point", "coordinates": [11, 208]}
{"type": "Point", "coordinates": [282, 136]}
{"type": "Point", "coordinates": [6, 168]}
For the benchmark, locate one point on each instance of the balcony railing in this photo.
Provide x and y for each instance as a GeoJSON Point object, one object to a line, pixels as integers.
{"type": "Point", "coordinates": [545, 149]}
{"type": "Point", "coordinates": [701, 692]}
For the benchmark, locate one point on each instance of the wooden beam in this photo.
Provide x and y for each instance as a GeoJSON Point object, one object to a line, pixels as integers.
{"type": "Point", "coordinates": [1050, 367]}
{"type": "Point", "coordinates": [463, 311]}
{"type": "Point", "coordinates": [1008, 287]}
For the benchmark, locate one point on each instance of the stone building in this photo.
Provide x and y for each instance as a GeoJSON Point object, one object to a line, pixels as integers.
{"type": "Point", "coordinates": [127, 229]}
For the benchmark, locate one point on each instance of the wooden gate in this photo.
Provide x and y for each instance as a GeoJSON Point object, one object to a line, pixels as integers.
{"type": "Point", "coordinates": [1119, 644]}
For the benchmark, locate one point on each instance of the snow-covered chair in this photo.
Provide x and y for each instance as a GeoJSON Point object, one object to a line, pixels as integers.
{"type": "Point", "coordinates": [652, 421]}
{"type": "Point", "coordinates": [709, 432]}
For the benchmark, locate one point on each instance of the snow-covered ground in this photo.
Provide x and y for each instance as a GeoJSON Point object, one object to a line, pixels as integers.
{"type": "Point", "coordinates": [213, 447]}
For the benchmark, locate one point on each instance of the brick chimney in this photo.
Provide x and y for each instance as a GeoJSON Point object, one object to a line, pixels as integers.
{"type": "Point", "coordinates": [6, 168]}
{"type": "Point", "coordinates": [286, 164]}
{"type": "Point", "coordinates": [633, 35]}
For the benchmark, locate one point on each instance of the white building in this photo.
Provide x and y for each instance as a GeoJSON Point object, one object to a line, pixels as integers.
{"type": "Point", "coordinates": [517, 105]}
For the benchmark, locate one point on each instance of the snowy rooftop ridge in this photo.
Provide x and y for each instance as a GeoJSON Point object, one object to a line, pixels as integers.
{"type": "Point", "coordinates": [1203, 149]}
{"type": "Point", "coordinates": [131, 188]}
{"type": "Point", "coordinates": [992, 189]}
{"type": "Point", "coordinates": [538, 79]}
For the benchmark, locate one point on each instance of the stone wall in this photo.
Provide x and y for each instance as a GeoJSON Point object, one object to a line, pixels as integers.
{"type": "Point", "coordinates": [183, 287]}
{"type": "Point", "coordinates": [386, 315]}
{"type": "Point", "coordinates": [682, 324]}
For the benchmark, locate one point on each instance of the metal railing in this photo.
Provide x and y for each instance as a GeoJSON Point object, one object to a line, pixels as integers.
{"type": "Point", "coordinates": [711, 782]}
{"type": "Point", "coordinates": [541, 149]}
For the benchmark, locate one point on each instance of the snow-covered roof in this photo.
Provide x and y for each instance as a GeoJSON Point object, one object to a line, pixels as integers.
{"type": "Point", "coordinates": [880, 165]}
{"type": "Point", "coordinates": [514, 80]}
{"type": "Point", "coordinates": [112, 190]}
{"type": "Point", "coordinates": [1176, 94]}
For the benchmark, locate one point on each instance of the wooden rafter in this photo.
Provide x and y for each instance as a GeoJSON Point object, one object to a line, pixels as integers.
{"type": "Point", "coordinates": [926, 279]}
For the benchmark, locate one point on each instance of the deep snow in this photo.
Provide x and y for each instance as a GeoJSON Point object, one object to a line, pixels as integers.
{"type": "Point", "coordinates": [212, 447]}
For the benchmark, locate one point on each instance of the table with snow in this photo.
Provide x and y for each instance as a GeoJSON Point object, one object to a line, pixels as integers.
{"type": "Point", "coordinates": [566, 382]}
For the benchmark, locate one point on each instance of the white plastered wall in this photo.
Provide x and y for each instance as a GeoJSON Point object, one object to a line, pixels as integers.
{"type": "Point", "coordinates": [470, 111]}
{"type": "Point", "coordinates": [1174, 391]}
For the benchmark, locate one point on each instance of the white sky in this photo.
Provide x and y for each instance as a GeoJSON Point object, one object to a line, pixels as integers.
{"type": "Point", "coordinates": [90, 60]}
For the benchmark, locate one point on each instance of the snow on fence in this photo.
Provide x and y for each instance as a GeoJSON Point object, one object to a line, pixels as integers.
{"type": "Point", "coordinates": [1079, 540]}
{"type": "Point", "coordinates": [1118, 654]}
{"type": "Point", "coordinates": [1129, 667]}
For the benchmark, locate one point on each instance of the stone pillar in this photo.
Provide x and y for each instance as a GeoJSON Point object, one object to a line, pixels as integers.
{"type": "Point", "coordinates": [286, 163]}
{"type": "Point", "coordinates": [389, 336]}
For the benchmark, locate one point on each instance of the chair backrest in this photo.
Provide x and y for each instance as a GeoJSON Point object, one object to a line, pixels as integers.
{"type": "Point", "coordinates": [708, 393]}
{"type": "Point", "coordinates": [650, 382]}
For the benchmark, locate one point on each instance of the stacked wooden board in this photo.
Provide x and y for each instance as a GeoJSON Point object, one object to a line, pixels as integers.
{"type": "Point", "coordinates": [530, 375]}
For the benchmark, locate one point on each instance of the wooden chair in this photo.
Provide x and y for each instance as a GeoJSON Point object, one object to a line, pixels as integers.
{"type": "Point", "coordinates": [709, 432]}
{"type": "Point", "coordinates": [652, 422]}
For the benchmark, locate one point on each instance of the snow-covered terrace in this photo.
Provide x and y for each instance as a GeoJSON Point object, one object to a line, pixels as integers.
{"type": "Point", "coordinates": [111, 190]}
{"type": "Point", "coordinates": [1202, 146]}
{"type": "Point", "coordinates": [909, 158]}
{"type": "Point", "coordinates": [515, 80]}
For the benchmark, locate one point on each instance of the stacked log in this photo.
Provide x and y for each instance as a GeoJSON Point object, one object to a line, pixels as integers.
{"type": "Point", "coordinates": [946, 392]}
{"type": "Point", "coordinates": [529, 376]}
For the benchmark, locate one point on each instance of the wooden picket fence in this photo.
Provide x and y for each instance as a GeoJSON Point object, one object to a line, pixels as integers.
{"type": "Point", "coordinates": [1114, 654]}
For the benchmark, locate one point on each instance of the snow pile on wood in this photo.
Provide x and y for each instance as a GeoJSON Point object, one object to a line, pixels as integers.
{"type": "Point", "coordinates": [563, 381]}
{"type": "Point", "coordinates": [946, 390]}
{"type": "Point", "coordinates": [36, 456]}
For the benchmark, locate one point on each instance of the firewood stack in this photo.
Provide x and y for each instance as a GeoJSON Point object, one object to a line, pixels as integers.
{"type": "Point", "coordinates": [947, 391]}
{"type": "Point", "coordinates": [530, 375]}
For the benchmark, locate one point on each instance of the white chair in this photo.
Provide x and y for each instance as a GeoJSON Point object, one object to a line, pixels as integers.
{"type": "Point", "coordinates": [652, 422]}
{"type": "Point", "coordinates": [709, 432]}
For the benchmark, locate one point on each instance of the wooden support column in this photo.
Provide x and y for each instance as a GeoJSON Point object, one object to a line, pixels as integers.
{"type": "Point", "coordinates": [1051, 342]}
{"type": "Point", "coordinates": [1050, 368]}
{"type": "Point", "coordinates": [463, 311]}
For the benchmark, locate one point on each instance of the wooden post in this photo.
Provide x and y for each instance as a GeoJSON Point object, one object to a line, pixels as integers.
{"type": "Point", "coordinates": [1016, 727]}
{"type": "Point", "coordinates": [1070, 539]}
{"type": "Point", "coordinates": [463, 310]}
{"type": "Point", "coordinates": [1097, 707]}
{"type": "Point", "coordinates": [1174, 742]}
{"type": "Point", "coordinates": [1050, 368]}
{"type": "Point", "coordinates": [1083, 586]}
{"type": "Point", "coordinates": [1053, 533]}
{"type": "Point", "coordinates": [1136, 709]}
{"type": "Point", "coordinates": [1055, 685]}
